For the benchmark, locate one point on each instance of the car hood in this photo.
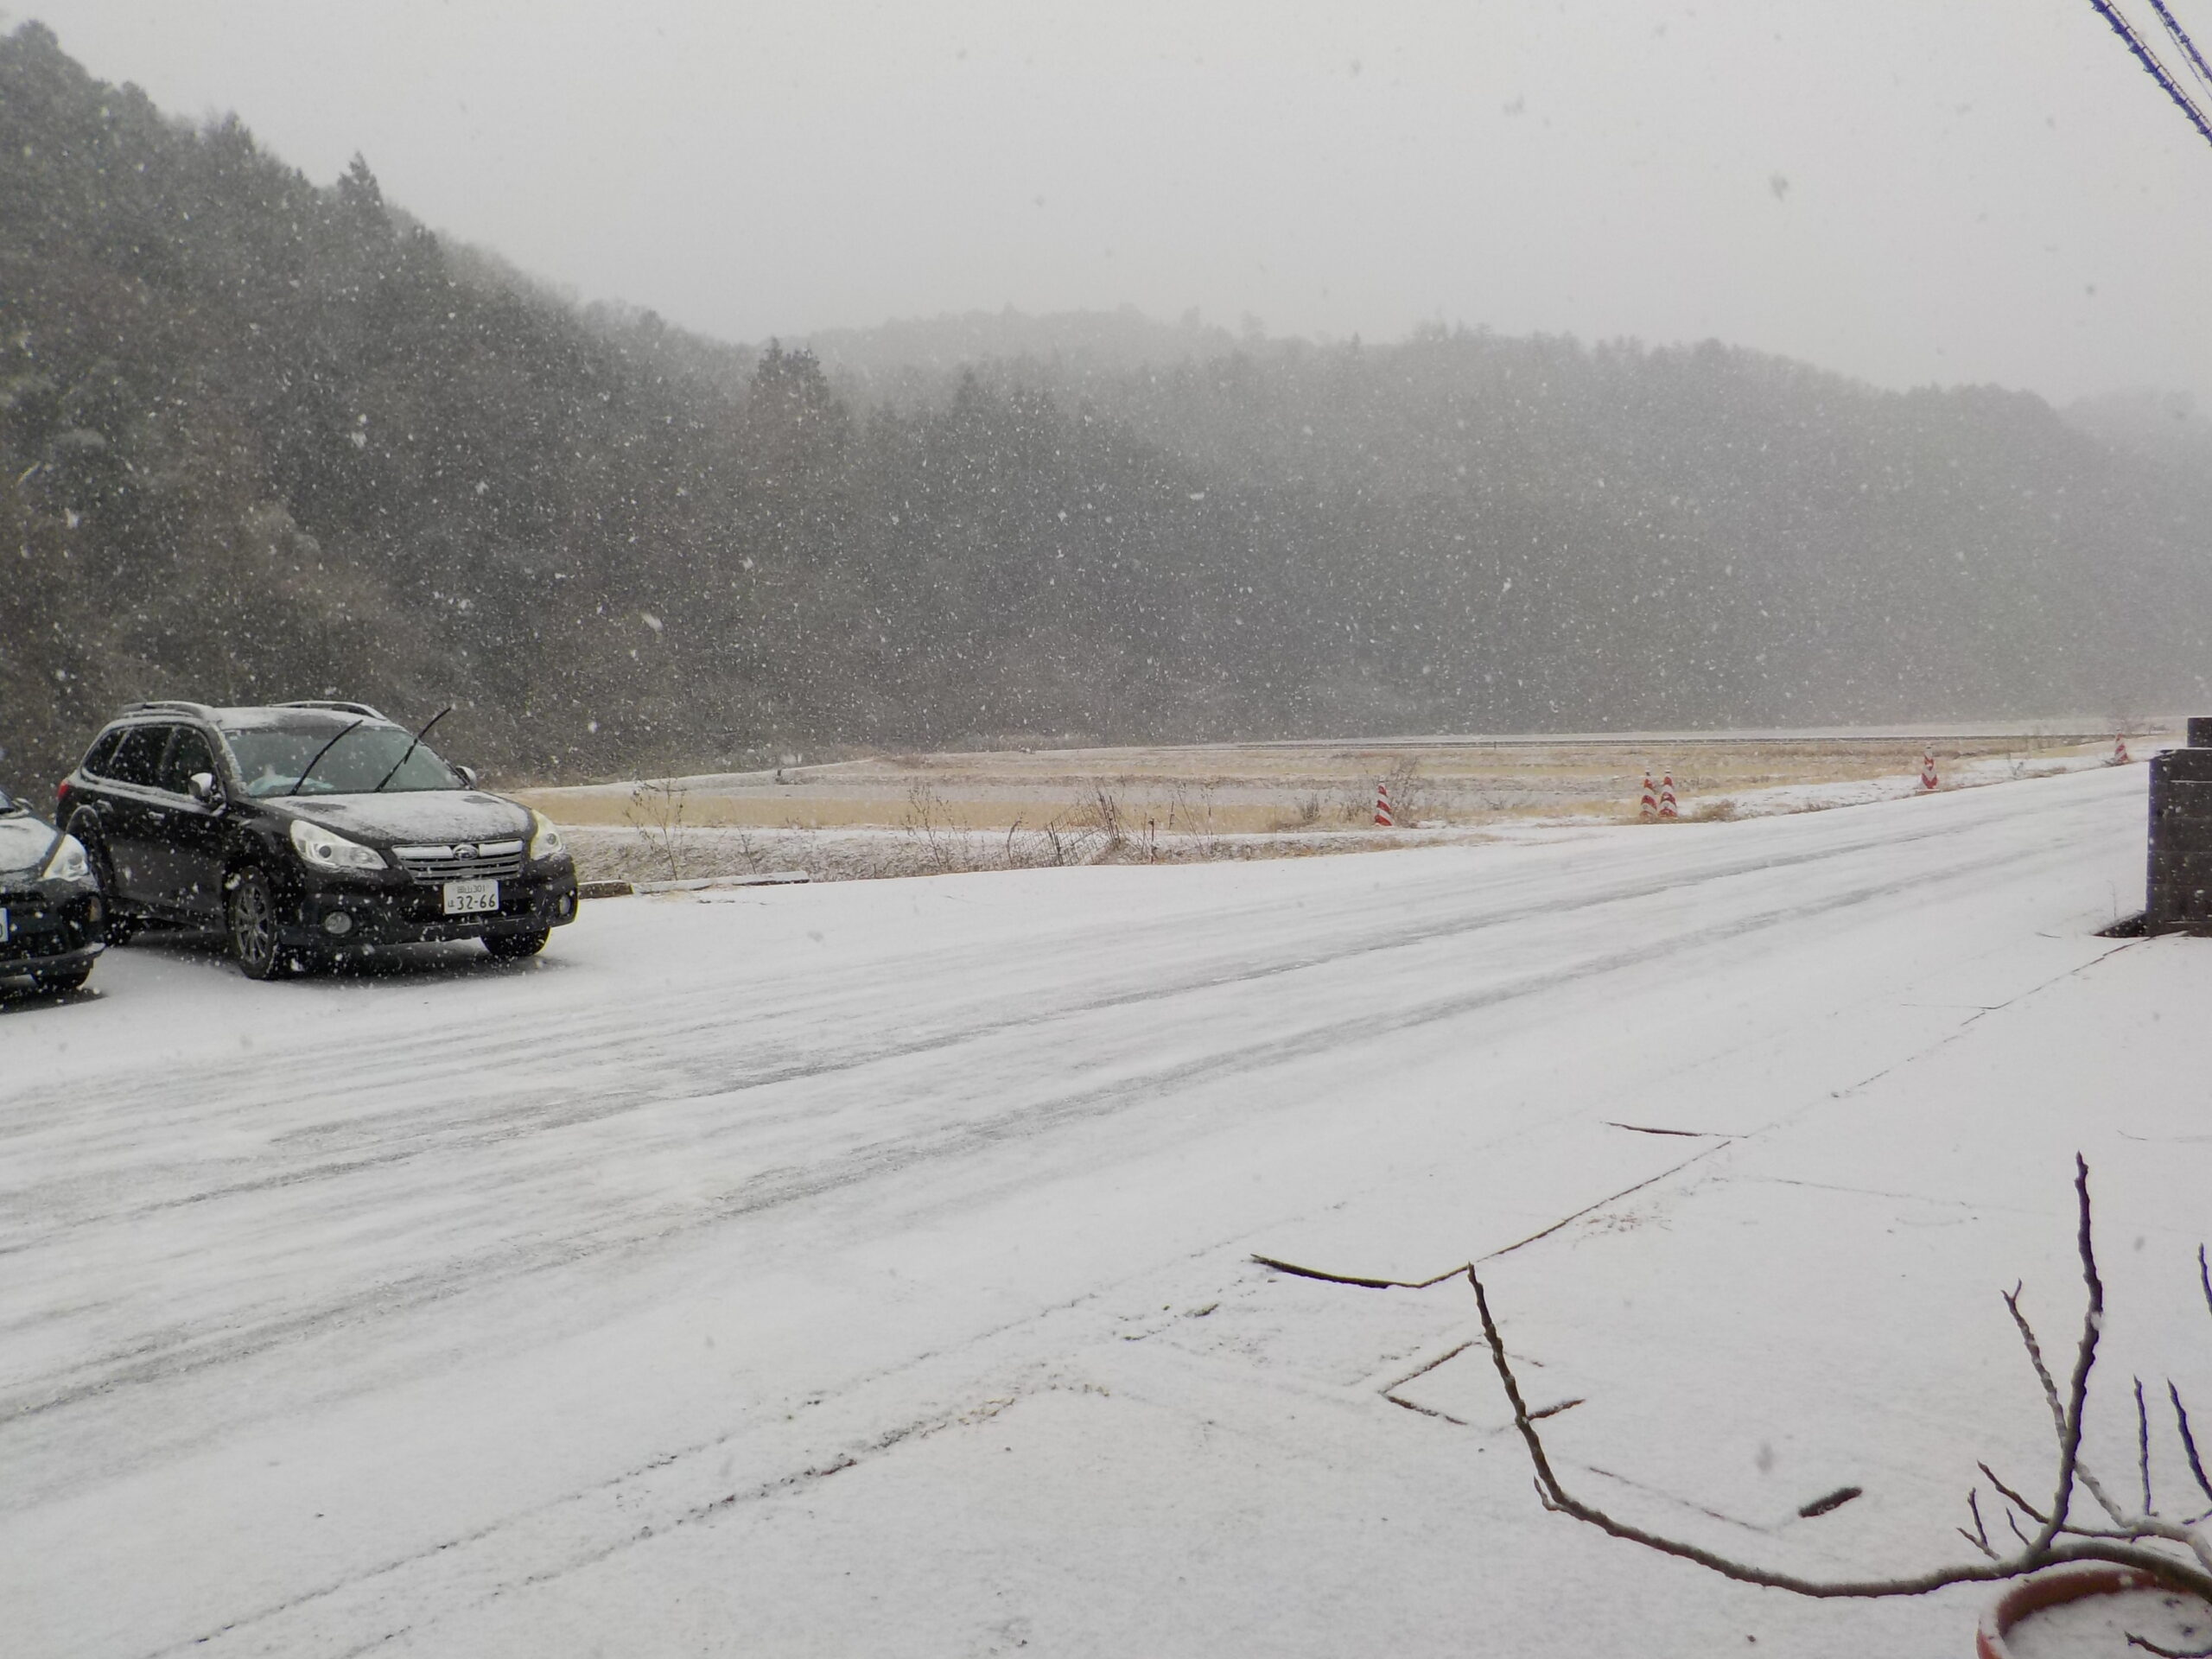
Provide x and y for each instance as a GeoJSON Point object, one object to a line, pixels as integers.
{"type": "Point", "coordinates": [419, 817]}
{"type": "Point", "coordinates": [24, 845]}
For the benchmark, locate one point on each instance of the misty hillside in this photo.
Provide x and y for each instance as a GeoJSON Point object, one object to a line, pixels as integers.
{"type": "Point", "coordinates": [262, 438]}
{"type": "Point", "coordinates": [2167, 427]}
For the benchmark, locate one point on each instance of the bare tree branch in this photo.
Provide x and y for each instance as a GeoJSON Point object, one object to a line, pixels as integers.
{"type": "Point", "coordinates": [2149, 1646]}
{"type": "Point", "coordinates": [2040, 1552]}
{"type": "Point", "coordinates": [2012, 1497]}
{"type": "Point", "coordinates": [2188, 1439]}
{"type": "Point", "coordinates": [2035, 1358]}
{"type": "Point", "coordinates": [2093, 1324]}
{"type": "Point", "coordinates": [2061, 1414]}
{"type": "Point", "coordinates": [2131, 1541]}
{"type": "Point", "coordinates": [2143, 1446]}
{"type": "Point", "coordinates": [1979, 1537]}
{"type": "Point", "coordinates": [1297, 1272]}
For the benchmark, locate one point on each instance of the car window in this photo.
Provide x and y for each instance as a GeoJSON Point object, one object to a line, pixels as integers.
{"type": "Point", "coordinates": [137, 758]}
{"type": "Point", "coordinates": [188, 752]}
{"type": "Point", "coordinates": [103, 751]}
{"type": "Point", "coordinates": [337, 761]}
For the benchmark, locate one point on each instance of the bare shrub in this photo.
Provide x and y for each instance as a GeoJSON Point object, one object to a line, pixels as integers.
{"type": "Point", "coordinates": [1065, 843]}
{"type": "Point", "coordinates": [740, 843]}
{"type": "Point", "coordinates": [944, 843]}
{"type": "Point", "coordinates": [1191, 814]}
{"type": "Point", "coordinates": [1106, 817]}
{"type": "Point", "coordinates": [656, 811]}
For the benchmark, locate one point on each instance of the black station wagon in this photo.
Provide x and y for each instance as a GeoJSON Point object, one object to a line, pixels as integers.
{"type": "Point", "coordinates": [309, 832]}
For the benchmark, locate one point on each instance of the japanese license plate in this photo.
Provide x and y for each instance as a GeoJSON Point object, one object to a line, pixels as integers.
{"type": "Point", "coordinates": [472, 898]}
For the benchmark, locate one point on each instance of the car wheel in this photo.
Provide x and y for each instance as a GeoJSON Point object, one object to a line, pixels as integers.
{"type": "Point", "coordinates": [250, 910]}
{"type": "Point", "coordinates": [63, 979]}
{"type": "Point", "coordinates": [513, 947]}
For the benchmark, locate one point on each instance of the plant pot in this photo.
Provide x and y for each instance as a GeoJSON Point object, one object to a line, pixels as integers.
{"type": "Point", "coordinates": [2053, 1587]}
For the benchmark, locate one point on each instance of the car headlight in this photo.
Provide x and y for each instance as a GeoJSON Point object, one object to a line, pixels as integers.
{"type": "Point", "coordinates": [325, 849]}
{"type": "Point", "coordinates": [67, 862]}
{"type": "Point", "coordinates": [544, 840]}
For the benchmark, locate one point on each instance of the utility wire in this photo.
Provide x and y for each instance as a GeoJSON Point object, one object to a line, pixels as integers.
{"type": "Point", "coordinates": [2157, 71]}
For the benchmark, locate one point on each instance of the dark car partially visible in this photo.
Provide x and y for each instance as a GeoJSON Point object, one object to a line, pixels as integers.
{"type": "Point", "coordinates": [310, 833]}
{"type": "Point", "coordinates": [53, 922]}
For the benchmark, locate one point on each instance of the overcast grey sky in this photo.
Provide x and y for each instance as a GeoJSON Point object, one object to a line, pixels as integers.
{"type": "Point", "coordinates": [1909, 190]}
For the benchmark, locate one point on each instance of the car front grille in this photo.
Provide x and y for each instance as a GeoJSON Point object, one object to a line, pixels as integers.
{"type": "Point", "coordinates": [501, 860]}
{"type": "Point", "coordinates": [38, 927]}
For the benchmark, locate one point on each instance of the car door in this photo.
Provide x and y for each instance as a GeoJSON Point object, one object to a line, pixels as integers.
{"type": "Point", "coordinates": [134, 814]}
{"type": "Point", "coordinates": [185, 850]}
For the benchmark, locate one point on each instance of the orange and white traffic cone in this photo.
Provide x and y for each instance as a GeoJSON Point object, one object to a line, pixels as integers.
{"type": "Point", "coordinates": [1667, 795]}
{"type": "Point", "coordinates": [1927, 769]}
{"type": "Point", "coordinates": [1382, 818]}
{"type": "Point", "coordinates": [1650, 807]}
{"type": "Point", "coordinates": [2120, 751]}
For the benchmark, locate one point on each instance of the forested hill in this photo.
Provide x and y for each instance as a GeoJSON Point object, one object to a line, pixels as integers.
{"type": "Point", "coordinates": [262, 439]}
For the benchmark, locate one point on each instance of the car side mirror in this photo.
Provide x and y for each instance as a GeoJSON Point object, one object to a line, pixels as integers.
{"type": "Point", "coordinates": [204, 789]}
{"type": "Point", "coordinates": [467, 776]}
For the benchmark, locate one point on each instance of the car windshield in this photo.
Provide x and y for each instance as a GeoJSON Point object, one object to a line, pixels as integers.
{"type": "Point", "coordinates": [270, 759]}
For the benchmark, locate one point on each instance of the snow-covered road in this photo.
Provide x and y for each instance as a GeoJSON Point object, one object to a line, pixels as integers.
{"type": "Point", "coordinates": [865, 1268]}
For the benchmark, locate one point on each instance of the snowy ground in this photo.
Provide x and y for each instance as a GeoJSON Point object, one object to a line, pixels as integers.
{"type": "Point", "coordinates": [865, 1267]}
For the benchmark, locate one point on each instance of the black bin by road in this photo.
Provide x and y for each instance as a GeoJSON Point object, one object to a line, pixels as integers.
{"type": "Point", "coordinates": [2180, 899]}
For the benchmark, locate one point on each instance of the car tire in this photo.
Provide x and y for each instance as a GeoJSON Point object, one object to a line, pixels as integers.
{"type": "Point", "coordinates": [250, 922]}
{"type": "Point", "coordinates": [62, 979]}
{"type": "Point", "coordinates": [513, 947]}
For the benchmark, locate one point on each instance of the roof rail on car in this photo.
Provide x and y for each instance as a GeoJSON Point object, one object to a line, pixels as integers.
{"type": "Point", "coordinates": [170, 705]}
{"type": "Point", "coordinates": [335, 708]}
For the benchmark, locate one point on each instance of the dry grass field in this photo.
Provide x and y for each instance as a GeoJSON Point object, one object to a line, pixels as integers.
{"type": "Point", "coordinates": [893, 814]}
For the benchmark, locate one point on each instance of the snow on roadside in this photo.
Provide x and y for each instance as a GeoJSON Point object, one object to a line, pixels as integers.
{"type": "Point", "coordinates": [863, 853]}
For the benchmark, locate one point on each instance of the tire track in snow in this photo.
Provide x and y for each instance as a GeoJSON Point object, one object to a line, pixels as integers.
{"type": "Point", "coordinates": [770, 1189]}
{"type": "Point", "coordinates": [244, 1084]}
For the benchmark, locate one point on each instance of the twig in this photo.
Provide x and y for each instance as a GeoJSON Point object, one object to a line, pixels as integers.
{"type": "Point", "coordinates": [1979, 1537]}
{"type": "Point", "coordinates": [2149, 1646]}
{"type": "Point", "coordinates": [2066, 1419]}
{"type": "Point", "coordinates": [2012, 1497]}
{"type": "Point", "coordinates": [2093, 1322]}
{"type": "Point", "coordinates": [1297, 1272]}
{"type": "Point", "coordinates": [2143, 1447]}
{"type": "Point", "coordinates": [1834, 1500]}
{"type": "Point", "coordinates": [2035, 1358]}
{"type": "Point", "coordinates": [2188, 1439]}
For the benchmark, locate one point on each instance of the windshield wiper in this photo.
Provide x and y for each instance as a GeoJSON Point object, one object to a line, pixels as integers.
{"type": "Point", "coordinates": [412, 747]}
{"type": "Point", "coordinates": [307, 771]}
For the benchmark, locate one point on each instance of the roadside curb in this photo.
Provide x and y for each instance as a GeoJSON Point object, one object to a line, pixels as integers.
{"type": "Point", "coordinates": [623, 889]}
